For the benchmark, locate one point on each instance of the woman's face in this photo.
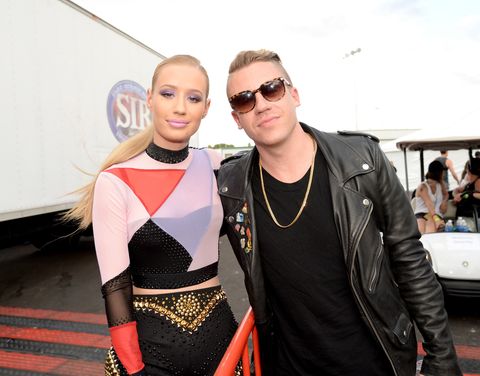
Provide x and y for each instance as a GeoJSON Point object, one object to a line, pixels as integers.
{"type": "Point", "coordinates": [178, 102]}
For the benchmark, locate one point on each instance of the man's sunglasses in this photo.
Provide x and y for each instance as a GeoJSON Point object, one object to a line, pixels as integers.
{"type": "Point", "coordinates": [272, 91]}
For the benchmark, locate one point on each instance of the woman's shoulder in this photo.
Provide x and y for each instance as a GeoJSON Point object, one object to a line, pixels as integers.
{"type": "Point", "coordinates": [422, 185]}
{"type": "Point", "coordinates": [214, 156]}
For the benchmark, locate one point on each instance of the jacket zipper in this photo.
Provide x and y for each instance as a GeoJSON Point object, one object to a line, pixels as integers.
{"type": "Point", "coordinates": [376, 267]}
{"type": "Point", "coordinates": [359, 299]}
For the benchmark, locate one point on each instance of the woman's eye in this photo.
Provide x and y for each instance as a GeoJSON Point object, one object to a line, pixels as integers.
{"type": "Point", "coordinates": [167, 94]}
{"type": "Point", "coordinates": [195, 98]}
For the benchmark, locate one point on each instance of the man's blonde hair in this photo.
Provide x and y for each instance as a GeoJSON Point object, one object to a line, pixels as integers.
{"type": "Point", "coordinates": [245, 58]}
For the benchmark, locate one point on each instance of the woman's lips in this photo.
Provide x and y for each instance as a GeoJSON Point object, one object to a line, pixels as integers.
{"type": "Point", "coordinates": [177, 123]}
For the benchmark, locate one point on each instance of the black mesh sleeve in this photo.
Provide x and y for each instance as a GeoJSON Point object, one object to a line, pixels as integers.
{"type": "Point", "coordinates": [118, 296]}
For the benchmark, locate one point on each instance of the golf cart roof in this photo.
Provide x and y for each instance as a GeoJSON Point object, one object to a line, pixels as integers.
{"type": "Point", "coordinates": [440, 139]}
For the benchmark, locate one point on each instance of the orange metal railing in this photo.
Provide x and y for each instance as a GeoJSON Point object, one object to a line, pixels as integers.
{"type": "Point", "coordinates": [238, 349]}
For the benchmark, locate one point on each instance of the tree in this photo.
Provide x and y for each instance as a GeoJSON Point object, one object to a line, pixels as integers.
{"type": "Point", "coordinates": [221, 146]}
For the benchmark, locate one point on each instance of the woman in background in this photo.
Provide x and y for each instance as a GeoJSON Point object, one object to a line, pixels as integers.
{"type": "Point", "coordinates": [156, 219]}
{"type": "Point", "coordinates": [467, 194]}
{"type": "Point", "coordinates": [431, 200]}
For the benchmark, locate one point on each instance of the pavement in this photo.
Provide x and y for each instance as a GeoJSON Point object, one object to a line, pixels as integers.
{"type": "Point", "coordinates": [52, 318]}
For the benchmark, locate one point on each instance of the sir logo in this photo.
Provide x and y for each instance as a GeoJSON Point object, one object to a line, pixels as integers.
{"type": "Point", "coordinates": [127, 109]}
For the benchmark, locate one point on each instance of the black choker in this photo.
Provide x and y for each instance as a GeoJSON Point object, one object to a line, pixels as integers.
{"type": "Point", "coordinates": [166, 156]}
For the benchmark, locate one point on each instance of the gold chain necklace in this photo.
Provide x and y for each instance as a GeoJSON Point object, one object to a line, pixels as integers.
{"type": "Point", "coordinates": [304, 203]}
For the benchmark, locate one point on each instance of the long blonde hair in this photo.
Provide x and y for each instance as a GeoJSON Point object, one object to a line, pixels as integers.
{"type": "Point", "coordinates": [82, 211]}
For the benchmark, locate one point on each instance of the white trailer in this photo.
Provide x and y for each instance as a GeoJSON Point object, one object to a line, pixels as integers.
{"type": "Point", "coordinates": [72, 87]}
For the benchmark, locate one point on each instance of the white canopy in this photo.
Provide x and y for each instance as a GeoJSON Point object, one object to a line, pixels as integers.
{"type": "Point", "coordinates": [440, 139]}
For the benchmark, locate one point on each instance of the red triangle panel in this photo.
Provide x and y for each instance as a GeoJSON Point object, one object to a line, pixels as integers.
{"type": "Point", "coordinates": [152, 187]}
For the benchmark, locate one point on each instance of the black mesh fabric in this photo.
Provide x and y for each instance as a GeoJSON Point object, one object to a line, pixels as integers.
{"type": "Point", "coordinates": [151, 246]}
{"type": "Point", "coordinates": [118, 296]}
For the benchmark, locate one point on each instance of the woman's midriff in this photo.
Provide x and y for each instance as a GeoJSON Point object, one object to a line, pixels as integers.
{"type": "Point", "coordinates": [215, 281]}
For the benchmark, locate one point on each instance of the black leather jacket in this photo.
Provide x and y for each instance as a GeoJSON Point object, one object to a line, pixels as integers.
{"type": "Point", "coordinates": [391, 279]}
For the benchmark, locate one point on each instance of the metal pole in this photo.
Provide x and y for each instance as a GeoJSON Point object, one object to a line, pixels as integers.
{"type": "Point", "coordinates": [406, 168]}
{"type": "Point", "coordinates": [422, 168]}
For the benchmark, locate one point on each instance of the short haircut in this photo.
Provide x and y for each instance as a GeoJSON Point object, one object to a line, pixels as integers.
{"type": "Point", "coordinates": [245, 58]}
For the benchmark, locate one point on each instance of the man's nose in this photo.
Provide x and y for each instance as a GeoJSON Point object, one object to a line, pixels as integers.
{"type": "Point", "coordinates": [261, 104]}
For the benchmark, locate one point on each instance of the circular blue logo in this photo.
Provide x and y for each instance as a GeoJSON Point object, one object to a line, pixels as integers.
{"type": "Point", "coordinates": [127, 109]}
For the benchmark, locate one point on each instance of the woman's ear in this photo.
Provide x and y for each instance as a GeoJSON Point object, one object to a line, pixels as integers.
{"type": "Point", "coordinates": [207, 107]}
{"type": "Point", "coordinates": [149, 99]}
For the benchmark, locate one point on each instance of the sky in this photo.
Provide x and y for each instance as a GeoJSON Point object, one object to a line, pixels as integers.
{"type": "Point", "coordinates": [417, 65]}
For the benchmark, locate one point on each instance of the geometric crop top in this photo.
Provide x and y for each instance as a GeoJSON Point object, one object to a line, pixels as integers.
{"type": "Point", "coordinates": [160, 220]}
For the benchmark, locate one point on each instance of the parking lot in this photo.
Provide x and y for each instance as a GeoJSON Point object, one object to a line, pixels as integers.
{"type": "Point", "coordinates": [52, 320]}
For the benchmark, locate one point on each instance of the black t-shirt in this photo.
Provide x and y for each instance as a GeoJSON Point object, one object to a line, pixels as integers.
{"type": "Point", "coordinates": [318, 326]}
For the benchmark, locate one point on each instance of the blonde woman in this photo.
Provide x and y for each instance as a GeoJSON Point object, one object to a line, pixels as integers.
{"type": "Point", "coordinates": [156, 219]}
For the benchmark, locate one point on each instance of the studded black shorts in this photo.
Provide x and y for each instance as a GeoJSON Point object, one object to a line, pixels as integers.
{"type": "Point", "coordinates": [184, 333]}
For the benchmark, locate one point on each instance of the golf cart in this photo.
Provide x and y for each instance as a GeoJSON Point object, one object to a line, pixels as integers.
{"type": "Point", "coordinates": [455, 255]}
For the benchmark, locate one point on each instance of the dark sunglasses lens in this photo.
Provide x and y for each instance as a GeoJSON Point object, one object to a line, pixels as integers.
{"type": "Point", "coordinates": [243, 102]}
{"type": "Point", "coordinates": [273, 90]}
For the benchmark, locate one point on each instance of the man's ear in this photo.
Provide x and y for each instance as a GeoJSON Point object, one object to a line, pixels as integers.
{"type": "Point", "coordinates": [235, 117]}
{"type": "Point", "coordinates": [295, 96]}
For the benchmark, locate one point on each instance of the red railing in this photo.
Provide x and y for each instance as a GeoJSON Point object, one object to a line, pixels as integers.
{"type": "Point", "coordinates": [238, 349]}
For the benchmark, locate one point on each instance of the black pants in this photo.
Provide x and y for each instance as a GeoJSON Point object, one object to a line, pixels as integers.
{"type": "Point", "coordinates": [183, 333]}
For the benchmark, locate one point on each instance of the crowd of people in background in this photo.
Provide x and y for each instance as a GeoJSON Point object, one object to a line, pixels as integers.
{"type": "Point", "coordinates": [432, 194]}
